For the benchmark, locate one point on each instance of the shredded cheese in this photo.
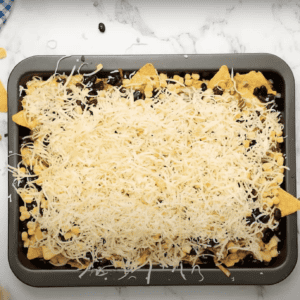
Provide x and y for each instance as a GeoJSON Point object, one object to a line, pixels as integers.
{"type": "Point", "coordinates": [150, 177]}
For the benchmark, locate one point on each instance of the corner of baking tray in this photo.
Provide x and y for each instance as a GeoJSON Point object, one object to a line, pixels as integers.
{"type": "Point", "coordinates": [22, 273]}
{"type": "Point", "coordinates": [281, 65]}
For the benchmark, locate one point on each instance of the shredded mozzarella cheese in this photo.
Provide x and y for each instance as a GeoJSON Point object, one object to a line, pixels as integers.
{"type": "Point", "coordinates": [152, 176]}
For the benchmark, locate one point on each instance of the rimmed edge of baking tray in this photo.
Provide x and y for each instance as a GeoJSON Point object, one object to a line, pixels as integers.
{"type": "Point", "coordinates": [208, 62]}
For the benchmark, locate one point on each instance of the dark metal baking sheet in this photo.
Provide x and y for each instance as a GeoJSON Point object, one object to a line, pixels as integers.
{"type": "Point", "coordinates": [270, 65]}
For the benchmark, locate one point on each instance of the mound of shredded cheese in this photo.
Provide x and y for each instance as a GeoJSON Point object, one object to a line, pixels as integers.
{"type": "Point", "coordinates": [144, 182]}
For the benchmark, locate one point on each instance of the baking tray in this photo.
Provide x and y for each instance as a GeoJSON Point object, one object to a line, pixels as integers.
{"type": "Point", "coordinates": [36, 274]}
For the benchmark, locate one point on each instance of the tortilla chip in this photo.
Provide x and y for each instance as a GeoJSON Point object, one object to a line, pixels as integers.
{"type": "Point", "coordinates": [20, 119]}
{"type": "Point", "coordinates": [3, 98]}
{"type": "Point", "coordinates": [147, 74]}
{"type": "Point", "coordinates": [58, 260]}
{"type": "Point", "coordinates": [246, 83]}
{"type": "Point", "coordinates": [34, 253]}
{"type": "Point", "coordinates": [47, 253]}
{"type": "Point", "coordinates": [2, 53]}
{"type": "Point", "coordinates": [288, 204]}
{"type": "Point", "coordinates": [221, 79]}
{"type": "Point", "coordinates": [38, 234]}
{"type": "Point", "coordinates": [4, 294]}
{"type": "Point", "coordinates": [76, 264]}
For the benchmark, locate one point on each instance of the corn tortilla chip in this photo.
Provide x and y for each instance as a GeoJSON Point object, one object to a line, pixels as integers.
{"type": "Point", "coordinates": [147, 74]}
{"type": "Point", "coordinates": [221, 79]}
{"type": "Point", "coordinates": [20, 119]}
{"type": "Point", "coordinates": [3, 98]}
{"type": "Point", "coordinates": [2, 53]}
{"type": "Point", "coordinates": [246, 83]}
{"type": "Point", "coordinates": [47, 253]}
{"type": "Point", "coordinates": [34, 253]}
{"type": "Point", "coordinates": [288, 204]}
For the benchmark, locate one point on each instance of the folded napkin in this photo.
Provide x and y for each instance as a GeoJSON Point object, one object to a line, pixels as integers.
{"type": "Point", "coordinates": [5, 8]}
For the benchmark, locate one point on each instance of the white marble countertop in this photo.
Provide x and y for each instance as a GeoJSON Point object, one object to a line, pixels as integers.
{"type": "Point", "coordinates": [147, 27]}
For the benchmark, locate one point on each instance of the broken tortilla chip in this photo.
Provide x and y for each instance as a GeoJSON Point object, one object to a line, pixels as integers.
{"type": "Point", "coordinates": [47, 253]}
{"type": "Point", "coordinates": [20, 119]}
{"type": "Point", "coordinates": [76, 264]}
{"type": "Point", "coordinates": [246, 83]}
{"type": "Point", "coordinates": [34, 253]}
{"type": "Point", "coordinates": [288, 204]}
{"type": "Point", "coordinates": [146, 75]}
{"type": "Point", "coordinates": [2, 53]}
{"type": "Point", "coordinates": [58, 260]}
{"type": "Point", "coordinates": [3, 98]}
{"type": "Point", "coordinates": [221, 79]}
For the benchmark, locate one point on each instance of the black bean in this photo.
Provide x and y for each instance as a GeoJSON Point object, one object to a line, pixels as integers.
{"type": "Point", "coordinates": [252, 143]}
{"type": "Point", "coordinates": [203, 87]}
{"type": "Point", "coordinates": [89, 256]}
{"type": "Point", "coordinates": [22, 182]}
{"type": "Point", "coordinates": [256, 91]}
{"type": "Point", "coordinates": [89, 79]}
{"type": "Point", "coordinates": [137, 95]}
{"type": "Point", "coordinates": [254, 192]}
{"type": "Point", "coordinates": [98, 86]}
{"type": "Point", "coordinates": [93, 102]}
{"type": "Point", "coordinates": [264, 219]}
{"type": "Point", "coordinates": [126, 74]}
{"type": "Point", "coordinates": [93, 93]}
{"type": "Point", "coordinates": [268, 234]}
{"type": "Point", "coordinates": [31, 205]}
{"type": "Point", "coordinates": [103, 240]}
{"type": "Point", "coordinates": [263, 91]}
{"type": "Point", "coordinates": [79, 103]}
{"type": "Point", "coordinates": [250, 220]}
{"type": "Point", "coordinates": [217, 90]}
{"type": "Point", "coordinates": [270, 97]}
{"type": "Point", "coordinates": [62, 80]}
{"type": "Point", "coordinates": [101, 27]}
{"type": "Point", "coordinates": [261, 98]}
{"type": "Point", "coordinates": [111, 80]}
{"type": "Point", "coordinates": [118, 83]}
{"type": "Point", "coordinates": [277, 214]}
{"type": "Point", "coordinates": [79, 85]}
{"type": "Point", "coordinates": [255, 212]}
{"type": "Point", "coordinates": [165, 254]}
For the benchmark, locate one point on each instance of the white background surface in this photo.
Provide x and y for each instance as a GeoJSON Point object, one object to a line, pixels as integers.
{"type": "Point", "coordinates": [148, 27]}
